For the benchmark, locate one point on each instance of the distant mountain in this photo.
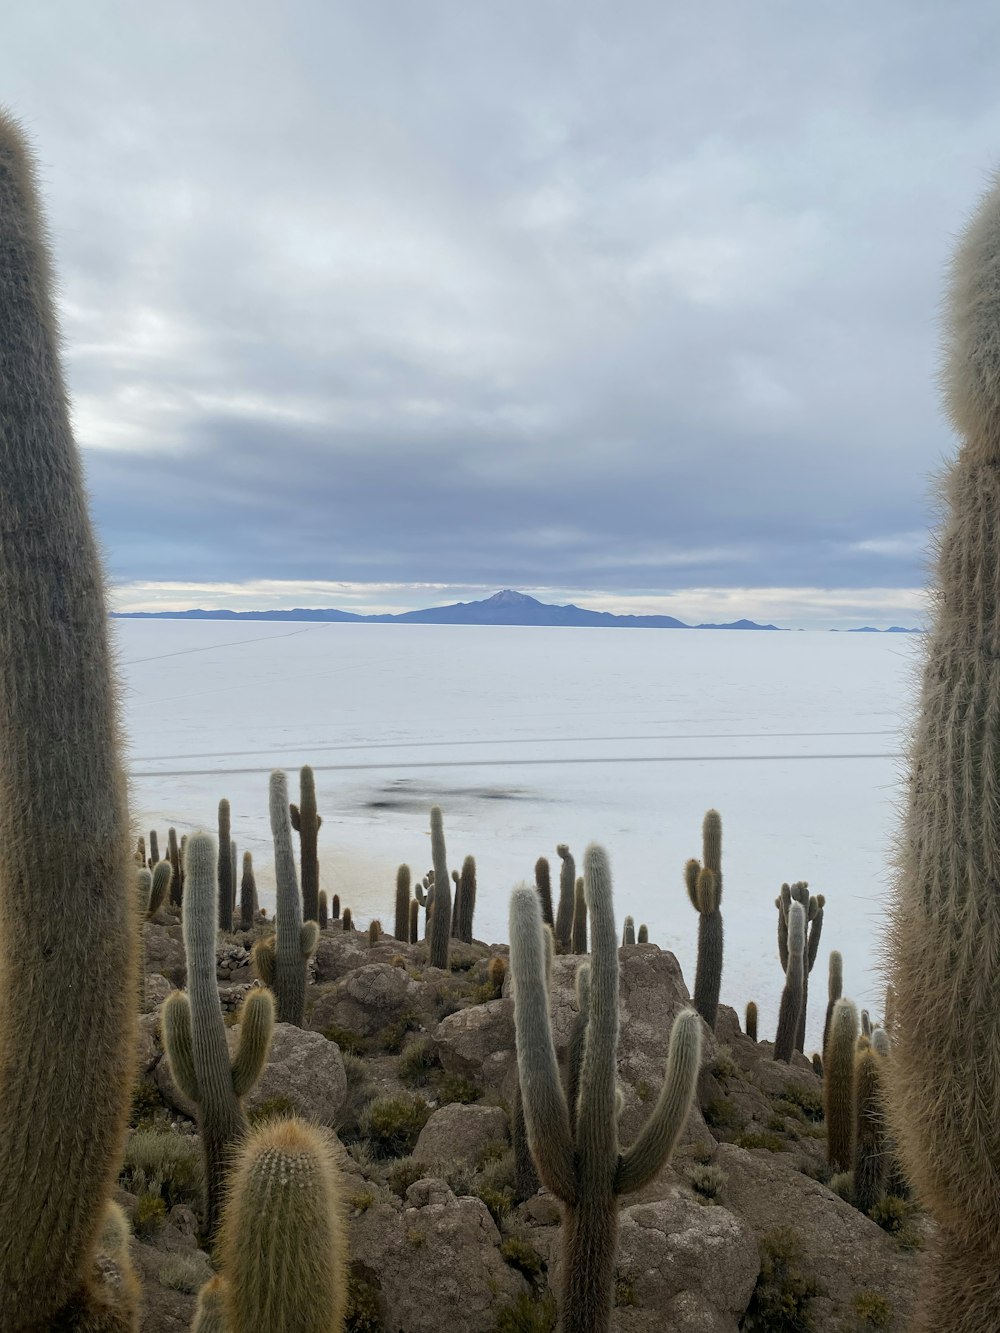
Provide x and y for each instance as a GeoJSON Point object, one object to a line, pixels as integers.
{"type": "Point", "coordinates": [503, 608]}
{"type": "Point", "coordinates": [870, 629]}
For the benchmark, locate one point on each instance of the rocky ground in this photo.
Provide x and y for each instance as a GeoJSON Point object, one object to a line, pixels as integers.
{"type": "Point", "coordinates": [414, 1068]}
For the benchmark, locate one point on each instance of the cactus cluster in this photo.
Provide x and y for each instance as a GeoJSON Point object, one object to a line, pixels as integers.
{"type": "Point", "coordinates": [813, 906]}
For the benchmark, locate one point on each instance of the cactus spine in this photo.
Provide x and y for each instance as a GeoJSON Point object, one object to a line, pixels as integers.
{"type": "Point", "coordinates": [295, 940]}
{"type": "Point", "coordinates": [579, 918]}
{"type": "Point", "coordinates": [704, 886]}
{"type": "Point", "coordinates": [543, 883]}
{"type": "Point", "coordinates": [248, 893]}
{"type": "Point", "coordinates": [283, 1244]}
{"type": "Point", "coordinates": [67, 882]}
{"type": "Point", "coordinates": [583, 1166]}
{"type": "Point", "coordinates": [225, 868]}
{"type": "Point", "coordinates": [401, 929]}
{"type": "Point", "coordinates": [440, 923]}
{"type": "Point", "coordinates": [791, 995]}
{"type": "Point", "coordinates": [194, 1034]}
{"type": "Point", "coordinates": [838, 1086]}
{"type": "Point", "coordinates": [307, 822]}
{"type": "Point", "coordinates": [466, 899]}
{"type": "Point", "coordinates": [752, 1020]}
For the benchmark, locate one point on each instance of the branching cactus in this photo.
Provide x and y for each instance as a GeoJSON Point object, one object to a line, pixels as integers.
{"type": "Point", "coordinates": [225, 870]}
{"type": "Point", "coordinates": [543, 883]}
{"type": "Point", "coordinates": [466, 899]}
{"type": "Point", "coordinates": [283, 1241]}
{"type": "Point", "coordinates": [194, 1034]}
{"type": "Point", "coordinates": [583, 1166]}
{"type": "Point", "coordinates": [835, 989]}
{"type": "Point", "coordinates": [579, 918]}
{"type": "Point", "coordinates": [280, 960]}
{"type": "Point", "coordinates": [401, 930]}
{"type": "Point", "coordinates": [68, 922]}
{"type": "Point", "coordinates": [838, 1086]}
{"type": "Point", "coordinates": [307, 822]}
{"type": "Point", "coordinates": [567, 897]}
{"type": "Point", "coordinates": [440, 917]}
{"type": "Point", "coordinates": [704, 886]}
{"type": "Point", "coordinates": [813, 905]}
{"type": "Point", "coordinates": [248, 893]}
{"type": "Point", "coordinates": [792, 994]}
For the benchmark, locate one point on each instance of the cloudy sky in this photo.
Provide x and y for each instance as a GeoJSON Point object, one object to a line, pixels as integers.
{"type": "Point", "coordinates": [379, 304]}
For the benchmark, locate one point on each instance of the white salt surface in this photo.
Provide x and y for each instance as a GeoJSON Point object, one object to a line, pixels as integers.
{"type": "Point", "coordinates": [530, 737]}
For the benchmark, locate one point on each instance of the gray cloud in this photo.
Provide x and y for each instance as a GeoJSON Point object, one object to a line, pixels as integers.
{"type": "Point", "coordinates": [622, 298]}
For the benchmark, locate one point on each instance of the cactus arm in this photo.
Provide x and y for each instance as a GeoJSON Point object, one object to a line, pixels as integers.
{"type": "Point", "coordinates": [308, 830]}
{"type": "Point", "coordinates": [440, 930]}
{"type": "Point", "coordinates": [546, 1114]}
{"type": "Point", "coordinates": [692, 869]}
{"type": "Point", "coordinates": [658, 1137]}
{"type": "Point", "coordinates": [567, 896]}
{"type": "Point", "coordinates": [579, 918]}
{"type": "Point", "coordinates": [210, 1316]}
{"type": "Point", "coordinates": [256, 1030]}
{"type": "Point", "coordinates": [596, 1124]}
{"type": "Point", "coordinates": [289, 963]}
{"type": "Point", "coordinates": [296, 818]}
{"type": "Point", "coordinates": [175, 1018]}
{"type": "Point", "coordinates": [577, 1041]}
{"type": "Point", "coordinates": [308, 938]}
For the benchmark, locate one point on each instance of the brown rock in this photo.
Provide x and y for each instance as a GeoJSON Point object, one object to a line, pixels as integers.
{"type": "Point", "coordinates": [366, 1000]}
{"type": "Point", "coordinates": [459, 1133]}
{"type": "Point", "coordinates": [478, 1042]}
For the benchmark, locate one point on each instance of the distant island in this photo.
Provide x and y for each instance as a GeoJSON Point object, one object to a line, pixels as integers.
{"type": "Point", "coordinates": [503, 608]}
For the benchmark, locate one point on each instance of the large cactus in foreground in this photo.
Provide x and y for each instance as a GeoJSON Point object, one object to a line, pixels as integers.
{"type": "Point", "coordinates": [283, 1241]}
{"type": "Point", "coordinates": [704, 886]}
{"type": "Point", "coordinates": [280, 960]}
{"type": "Point", "coordinates": [440, 917]}
{"type": "Point", "coordinates": [68, 919]}
{"type": "Point", "coordinates": [578, 1158]}
{"type": "Point", "coordinates": [306, 822]}
{"type": "Point", "coordinates": [195, 1036]}
{"type": "Point", "coordinates": [945, 1066]}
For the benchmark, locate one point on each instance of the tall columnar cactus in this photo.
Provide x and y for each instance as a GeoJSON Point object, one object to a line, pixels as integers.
{"type": "Point", "coordinates": [704, 886]}
{"type": "Point", "coordinates": [466, 899]}
{"type": "Point", "coordinates": [283, 1241]}
{"type": "Point", "coordinates": [813, 905]}
{"type": "Point", "coordinates": [307, 822]}
{"type": "Point", "coordinates": [248, 893]}
{"type": "Point", "coordinates": [543, 883]}
{"type": "Point", "coordinates": [414, 921]}
{"type": "Point", "coordinates": [235, 860]}
{"type": "Point", "coordinates": [752, 1020]}
{"type": "Point", "coordinates": [280, 960]}
{"type": "Point", "coordinates": [834, 990]}
{"type": "Point", "coordinates": [579, 917]}
{"type": "Point", "coordinates": [838, 1086]}
{"type": "Point", "coordinates": [401, 930]}
{"type": "Point", "coordinates": [583, 1166]}
{"type": "Point", "coordinates": [567, 897]}
{"type": "Point", "coordinates": [440, 920]}
{"type": "Point", "coordinates": [628, 932]}
{"type": "Point", "coordinates": [335, 907]}
{"type": "Point", "coordinates": [792, 994]}
{"type": "Point", "coordinates": [160, 881]}
{"type": "Point", "coordinates": [871, 1154]}
{"type": "Point", "coordinates": [225, 869]}
{"type": "Point", "coordinates": [68, 921]}
{"type": "Point", "coordinates": [324, 910]}
{"type": "Point", "coordinates": [174, 857]}
{"type": "Point", "coordinates": [194, 1034]}
{"type": "Point", "coordinates": [140, 852]}
{"type": "Point", "coordinates": [154, 848]}
{"type": "Point", "coordinates": [643, 936]}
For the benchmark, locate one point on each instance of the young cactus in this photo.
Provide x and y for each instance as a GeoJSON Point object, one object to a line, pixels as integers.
{"type": "Point", "coordinates": [838, 1086]}
{"type": "Point", "coordinates": [159, 887]}
{"type": "Point", "coordinates": [154, 849]}
{"type": "Point", "coordinates": [835, 989]}
{"type": "Point", "coordinates": [628, 933]}
{"type": "Point", "coordinates": [283, 1240]}
{"type": "Point", "coordinates": [751, 1024]}
{"type": "Point", "coordinates": [871, 1153]}
{"type": "Point", "coordinates": [401, 929]}
{"type": "Point", "coordinates": [567, 897]}
{"type": "Point", "coordinates": [374, 933]}
{"type": "Point", "coordinates": [583, 1165]}
{"type": "Point", "coordinates": [174, 857]}
{"type": "Point", "coordinates": [210, 1316]}
{"type": "Point", "coordinates": [225, 871]}
{"type": "Point", "coordinates": [414, 921]}
{"type": "Point", "coordinates": [194, 1034]}
{"type": "Point", "coordinates": [792, 994]}
{"type": "Point", "coordinates": [68, 978]}
{"type": "Point", "coordinates": [248, 893]}
{"type": "Point", "coordinates": [704, 886]}
{"type": "Point", "coordinates": [643, 936]}
{"type": "Point", "coordinates": [466, 899]}
{"type": "Point", "coordinates": [579, 918]}
{"type": "Point", "coordinates": [324, 910]}
{"type": "Point", "coordinates": [543, 883]}
{"type": "Point", "coordinates": [440, 920]}
{"type": "Point", "coordinates": [307, 822]}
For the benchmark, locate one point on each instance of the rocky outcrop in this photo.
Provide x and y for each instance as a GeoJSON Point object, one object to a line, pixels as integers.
{"type": "Point", "coordinates": [366, 1000]}
{"type": "Point", "coordinates": [458, 1133]}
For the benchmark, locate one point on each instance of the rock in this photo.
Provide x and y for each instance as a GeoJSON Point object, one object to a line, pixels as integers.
{"type": "Point", "coordinates": [366, 1000]}
{"type": "Point", "coordinates": [459, 1133]}
{"type": "Point", "coordinates": [157, 988]}
{"type": "Point", "coordinates": [149, 1050]}
{"type": "Point", "coordinates": [840, 1247]}
{"type": "Point", "coordinates": [478, 1042]}
{"type": "Point", "coordinates": [166, 1307]}
{"type": "Point", "coordinates": [437, 1263]}
{"type": "Point", "coordinates": [304, 1069]}
{"type": "Point", "coordinates": [165, 953]}
{"type": "Point", "coordinates": [338, 952]}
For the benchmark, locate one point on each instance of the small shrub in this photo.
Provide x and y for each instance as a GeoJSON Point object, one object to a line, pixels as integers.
{"type": "Point", "coordinates": [724, 1066]}
{"type": "Point", "coordinates": [392, 1125]}
{"type": "Point", "coordinates": [643, 1091]}
{"type": "Point", "coordinates": [349, 1042]}
{"type": "Point", "coordinates": [417, 1061]}
{"type": "Point", "coordinates": [842, 1184]}
{"type": "Point", "coordinates": [522, 1256]}
{"type": "Point", "coordinates": [455, 1088]}
{"type": "Point", "coordinates": [498, 1201]}
{"type": "Point", "coordinates": [872, 1310]}
{"type": "Point", "coordinates": [272, 1108]}
{"type": "Point", "coordinates": [808, 1100]}
{"type": "Point", "coordinates": [720, 1113]}
{"type": "Point", "coordinates": [499, 1174]}
{"type": "Point", "coordinates": [624, 1291]}
{"type": "Point", "coordinates": [493, 1150]}
{"type": "Point", "coordinates": [708, 1181]}
{"type": "Point", "coordinates": [390, 1038]}
{"type": "Point", "coordinates": [780, 1300]}
{"type": "Point", "coordinates": [182, 1273]}
{"type": "Point", "coordinates": [163, 1164]}
{"type": "Point", "coordinates": [361, 1201]}
{"type": "Point", "coordinates": [761, 1138]}
{"type": "Point", "coordinates": [703, 1151]}
{"type": "Point", "coordinates": [403, 1173]}
{"type": "Point", "coordinates": [526, 1315]}
{"type": "Point", "coordinates": [416, 1237]}
{"type": "Point", "coordinates": [895, 1215]}
{"type": "Point", "coordinates": [150, 1214]}
{"type": "Point", "coordinates": [355, 1069]}
{"type": "Point", "coordinates": [147, 1107]}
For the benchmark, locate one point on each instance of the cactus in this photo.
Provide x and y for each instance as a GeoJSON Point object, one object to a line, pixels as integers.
{"type": "Point", "coordinates": [346, 920]}
{"type": "Point", "coordinates": [159, 887]}
{"type": "Point", "coordinates": [154, 849]}
{"type": "Point", "coordinates": [295, 940]}
{"type": "Point", "coordinates": [374, 932]}
{"type": "Point", "coordinates": [210, 1316]}
{"type": "Point", "coordinates": [194, 1034]}
{"type": "Point", "coordinates": [225, 870]}
{"type": "Point", "coordinates": [751, 1023]}
{"type": "Point", "coordinates": [335, 909]}
{"type": "Point", "coordinates": [704, 886]}
{"type": "Point", "coordinates": [414, 921]}
{"type": "Point", "coordinates": [866, 1024]}
{"type": "Point", "coordinates": [643, 935]}
{"type": "Point", "coordinates": [835, 989]}
{"type": "Point", "coordinates": [456, 880]}
{"type": "Point", "coordinates": [628, 932]}
{"type": "Point", "coordinates": [401, 929]}
{"type": "Point", "coordinates": [466, 899]}
{"type": "Point", "coordinates": [817, 1064]}
{"type": "Point", "coordinates": [283, 1242]}
{"type": "Point", "coordinates": [791, 995]}
{"type": "Point", "coordinates": [543, 883]}
{"type": "Point", "coordinates": [67, 881]}
{"type": "Point", "coordinates": [567, 897]}
{"type": "Point", "coordinates": [584, 1167]}
{"type": "Point", "coordinates": [174, 857]}
{"type": "Point", "coordinates": [838, 1086]}
{"type": "Point", "coordinates": [870, 1151]}
{"type": "Point", "coordinates": [579, 918]}
{"type": "Point", "coordinates": [324, 910]}
{"type": "Point", "coordinates": [248, 893]}
{"type": "Point", "coordinates": [140, 853]}
{"type": "Point", "coordinates": [234, 860]}
{"type": "Point", "coordinates": [813, 906]}
{"type": "Point", "coordinates": [307, 823]}
{"type": "Point", "coordinates": [440, 923]}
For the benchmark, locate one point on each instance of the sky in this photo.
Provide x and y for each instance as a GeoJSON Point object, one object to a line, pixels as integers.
{"type": "Point", "coordinates": [386, 305]}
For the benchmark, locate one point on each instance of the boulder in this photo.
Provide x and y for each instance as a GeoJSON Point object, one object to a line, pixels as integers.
{"type": "Point", "coordinates": [304, 1069]}
{"type": "Point", "coordinates": [366, 1000]}
{"type": "Point", "coordinates": [165, 952]}
{"type": "Point", "coordinates": [478, 1042]}
{"type": "Point", "coordinates": [457, 1133]}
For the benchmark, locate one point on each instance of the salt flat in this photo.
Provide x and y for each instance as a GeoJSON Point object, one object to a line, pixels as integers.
{"type": "Point", "coordinates": [530, 737]}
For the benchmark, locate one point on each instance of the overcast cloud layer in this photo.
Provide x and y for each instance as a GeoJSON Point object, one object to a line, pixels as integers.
{"type": "Point", "coordinates": [393, 303]}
